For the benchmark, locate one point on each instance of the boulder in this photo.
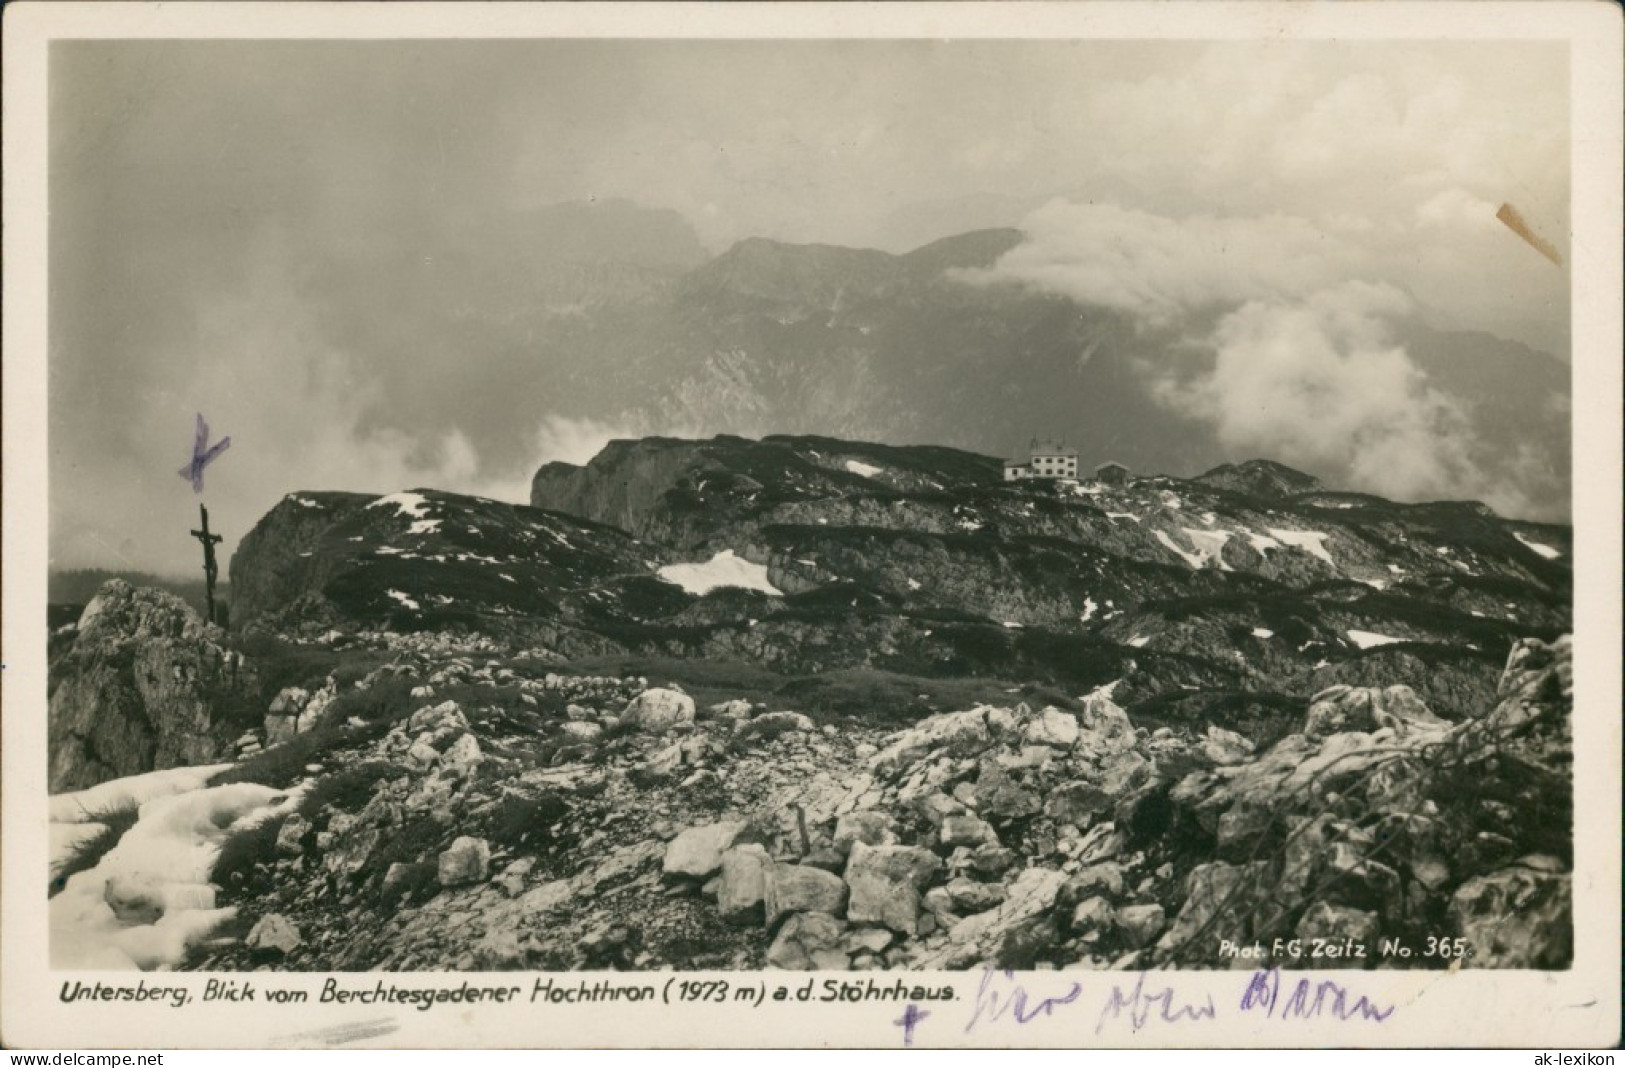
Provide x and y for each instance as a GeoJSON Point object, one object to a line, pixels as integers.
{"type": "Point", "coordinates": [949, 733]}
{"type": "Point", "coordinates": [1092, 918]}
{"type": "Point", "coordinates": [513, 877]}
{"type": "Point", "coordinates": [885, 883]}
{"type": "Point", "coordinates": [809, 941]}
{"type": "Point", "coordinates": [1217, 895]}
{"type": "Point", "coordinates": [581, 730]}
{"type": "Point", "coordinates": [792, 888]}
{"type": "Point", "coordinates": [1000, 798]}
{"type": "Point", "coordinates": [290, 836]}
{"type": "Point", "coordinates": [1518, 917]}
{"type": "Point", "coordinates": [965, 830]}
{"type": "Point", "coordinates": [1138, 925]}
{"type": "Point", "coordinates": [1054, 728]}
{"type": "Point", "coordinates": [1341, 709]}
{"type": "Point", "coordinates": [463, 755]}
{"type": "Point", "coordinates": [143, 687]}
{"type": "Point", "coordinates": [773, 724]}
{"type": "Point", "coordinates": [273, 933]}
{"type": "Point", "coordinates": [741, 886]}
{"type": "Point", "coordinates": [467, 861]}
{"type": "Point", "coordinates": [1335, 923]}
{"type": "Point", "coordinates": [1029, 898]}
{"type": "Point", "coordinates": [1103, 878]}
{"type": "Point", "coordinates": [1224, 747]}
{"type": "Point", "coordinates": [735, 709]}
{"type": "Point", "coordinates": [697, 852]}
{"type": "Point", "coordinates": [967, 895]}
{"type": "Point", "coordinates": [658, 711]}
{"type": "Point", "coordinates": [870, 826]}
{"type": "Point", "coordinates": [1103, 727]}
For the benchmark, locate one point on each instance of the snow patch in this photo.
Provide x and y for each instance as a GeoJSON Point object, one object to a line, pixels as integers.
{"type": "Point", "coordinates": [1263, 632]}
{"type": "Point", "coordinates": [1544, 550]}
{"type": "Point", "coordinates": [1262, 542]}
{"type": "Point", "coordinates": [162, 862]}
{"type": "Point", "coordinates": [723, 569]}
{"type": "Point", "coordinates": [134, 790]}
{"type": "Point", "coordinates": [406, 602]}
{"type": "Point", "coordinates": [1089, 610]}
{"type": "Point", "coordinates": [1366, 639]}
{"type": "Point", "coordinates": [1191, 559]}
{"type": "Point", "coordinates": [857, 467]}
{"type": "Point", "coordinates": [1312, 542]}
{"type": "Point", "coordinates": [1138, 641]}
{"type": "Point", "coordinates": [1122, 515]}
{"type": "Point", "coordinates": [1012, 625]}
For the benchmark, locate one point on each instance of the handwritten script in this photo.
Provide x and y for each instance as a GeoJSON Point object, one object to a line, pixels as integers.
{"type": "Point", "coordinates": [1155, 1000]}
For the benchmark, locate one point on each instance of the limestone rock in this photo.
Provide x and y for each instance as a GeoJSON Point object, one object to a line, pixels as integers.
{"type": "Point", "coordinates": [1337, 923]}
{"type": "Point", "coordinates": [697, 852]}
{"type": "Point", "coordinates": [467, 861]}
{"type": "Point", "coordinates": [968, 895]}
{"type": "Point", "coordinates": [140, 690]}
{"type": "Point", "coordinates": [741, 886]}
{"type": "Point", "coordinates": [1518, 917]}
{"type": "Point", "coordinates": [964, 830]}
{"type": "Point", "coordinates": [274, 933]}
{"type": "Point", "coordinates": [773, 724]}
{"type": "Point", "coordinates": [885, 884]}
{"type": "Point", "coordinates": [659, 710]}
{"type": "Point", "coordinates": [1054, 728]}
{"type": "Point", "coordinates": [791, 888]}
{"type": "Point", "coordinates": [1092, 918]}
{"type": "Point", "coordinates": [1138, 925]}
{"type": "Point", "coordinates": [870, 826]}
{"type": "Point", "coordinates": [290, 836]}
{"type": "Point", "coordinates": [809, 941]}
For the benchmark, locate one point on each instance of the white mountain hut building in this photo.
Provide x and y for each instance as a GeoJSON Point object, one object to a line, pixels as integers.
{"type": "Point", "coordinates": [1045, 459]}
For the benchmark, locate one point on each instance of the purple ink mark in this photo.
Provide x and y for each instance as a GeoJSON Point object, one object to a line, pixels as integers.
{"type": "Point", "coordinates": [1309, 999]}
{"type": "Point", "coordinates": [912, 1016]}
{"type": "Point", "coordinates": [1139, 1005]}
{"type": "Point", "coordinates": [1017, 1002]}
{"type": "Point", "coordinates": [203, 454]}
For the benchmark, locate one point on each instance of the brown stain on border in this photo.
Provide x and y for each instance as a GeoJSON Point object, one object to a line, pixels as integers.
{"type": "Point", "coordinates": [1515, 222]}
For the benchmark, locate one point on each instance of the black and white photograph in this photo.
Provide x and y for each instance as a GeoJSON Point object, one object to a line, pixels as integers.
{"type": "Point", "coordinates": [869, 506]}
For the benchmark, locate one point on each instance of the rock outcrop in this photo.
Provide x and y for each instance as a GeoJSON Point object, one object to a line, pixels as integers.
{"type": "Point", "coordinates": [1004, 836]}
{"type": "Point", "coordinates": [147, 685]}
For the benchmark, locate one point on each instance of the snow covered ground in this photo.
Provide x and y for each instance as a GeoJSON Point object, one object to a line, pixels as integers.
{"type": "Point", "coordinates": [414, 506]}
{"type": "Point", "coordinates": [723, 569]}
{"type": "Point", "coordinates": [1366, 639]}
{"type": "Point", "coordinates": [148, 900]}
{"type": "Point", "coordinates": [858, 467]}
{"type": "Point", "coordinates": [1544, 550]}
{"type": "Point", "coordinates": [1312, 542]}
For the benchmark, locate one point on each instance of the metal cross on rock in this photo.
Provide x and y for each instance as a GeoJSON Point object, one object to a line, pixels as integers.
{"type": "Point", "coordinates": [210, 569]}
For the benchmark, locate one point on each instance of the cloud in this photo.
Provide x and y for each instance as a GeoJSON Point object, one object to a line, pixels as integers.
{"type": "Point", "coordinates": [575, 441]}
{"type": "Point", "coordinates": [1161, 268]}
{"type": "Point", "coordinates": [1296, 317]}
{"type": "Point", "coordinates": [1319, 383]}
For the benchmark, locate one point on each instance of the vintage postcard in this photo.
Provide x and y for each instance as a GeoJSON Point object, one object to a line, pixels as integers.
{"type": "Point", "coordinates": [812, 525]}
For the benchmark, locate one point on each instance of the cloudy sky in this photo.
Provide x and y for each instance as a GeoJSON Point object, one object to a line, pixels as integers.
{"type": "Point", "coordinates": [204, 195]}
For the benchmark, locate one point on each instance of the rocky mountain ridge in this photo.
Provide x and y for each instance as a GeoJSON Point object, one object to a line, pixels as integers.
{"type": "Point", "coordinates": [807, 702]}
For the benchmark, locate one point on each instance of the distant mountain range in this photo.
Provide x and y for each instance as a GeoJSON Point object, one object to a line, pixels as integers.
{"type": "Point", "coordinates": [627, 323]}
